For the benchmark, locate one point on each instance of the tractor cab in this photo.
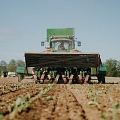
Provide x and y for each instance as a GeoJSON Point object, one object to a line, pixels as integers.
{"type": "Point", "coordinates": [63, 43]}
{"type": "Point", "coordinates": [61, 40]}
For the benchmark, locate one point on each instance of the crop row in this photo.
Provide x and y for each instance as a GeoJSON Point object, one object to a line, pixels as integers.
{"type": "Point", "coordinates": [103, 101]}
{"type": "Point", "coordinates": [20, 100]}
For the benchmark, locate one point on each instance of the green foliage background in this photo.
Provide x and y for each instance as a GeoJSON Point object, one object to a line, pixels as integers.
{"type": "Point", "coordinates": [11, 66]}
{"type": "Point", "coordinates": [113, 67]}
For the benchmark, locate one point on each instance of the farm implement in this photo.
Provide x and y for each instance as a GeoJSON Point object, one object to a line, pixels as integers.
{"type": "Point", "coordinates": [62, 63]}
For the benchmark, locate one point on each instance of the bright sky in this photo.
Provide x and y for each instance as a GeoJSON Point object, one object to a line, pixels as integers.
{"type": "Point", "coordinates": [23, 25]}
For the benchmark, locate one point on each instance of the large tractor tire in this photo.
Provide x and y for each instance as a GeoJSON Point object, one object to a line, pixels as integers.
{"type": "Point", "coordinates": [101, 79]}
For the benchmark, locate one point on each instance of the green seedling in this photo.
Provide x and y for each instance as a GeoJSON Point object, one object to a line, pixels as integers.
{"type": "Point", "coordinates": [18, 101]}
{"type": "Point", "coordinates": [41, 91]}
{"type": "Point", "coordinates": [13, 114]}
{"type": "Point", "coordinates": [45, 90]}
{"type": "Point", "coordinates": [103, 117]}
{"type": "Point", "coordinates": [94, 103]}
{"type": "Point", "coordinates": [28, 96]}
{"type": "Point", "coordinates": [117, 89]}
{"type": "Point", "coordinates": [102, 91]}
{"type": "Point", "coordinates": [10, 108]}
{"type": "Point", "coordinates": [115, 108]}
{"type": "Point", "coordinates": [1, 107]}
{"type": "Point", "coordinates": [48, 98]}
{"type": "Point", "coordinates": [94, 96]}
{"type": "Point", "coordinates": [20, 104]}
{"type": "Point", "coordinates": [3, 89]}
{"type": "Point", "coordinates": [1, 116]}
{"type": "Point", "coordinates": [73, 86]}
{"type": "Point", "coordinates": [111, 89]}
{"type": "Point", "coordinates": [89, 90]}
{"type": "Point", "coordinates": [78, 90]}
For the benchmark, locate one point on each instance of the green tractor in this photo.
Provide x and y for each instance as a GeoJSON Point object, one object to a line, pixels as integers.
{"type": "Point", "coordinates": [62, 59]}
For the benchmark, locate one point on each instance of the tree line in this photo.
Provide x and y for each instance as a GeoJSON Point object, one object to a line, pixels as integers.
{"type": "Point", "coordinates": [112, 66]}
{"type": "Point", "coordinates": [11, 66]}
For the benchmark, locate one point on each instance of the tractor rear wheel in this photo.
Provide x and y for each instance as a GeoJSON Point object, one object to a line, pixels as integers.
{"type": "Point", "coordinates": [101, 79]}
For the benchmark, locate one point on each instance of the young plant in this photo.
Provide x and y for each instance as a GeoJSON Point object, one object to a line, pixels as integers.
{"type": "Point", "coordinates": [94, 96]}
{"type": "Point", "coordinates": [115, 108]}
{"type": "Point", "coordinates": [1, 116]}
{"type": "Point", "coordinates": [94, 103]}
{"type": "Point", "coordinates": [74, 87]}
{"type": "Point", "coordinates": [3, 89]}
{"type": "Point", "coordinates": [89, 92]}
{"type": "Point", "coordinates": [20, 104]}
{"type": "Point", "coordinates": [103, 117]}
{"type": "Point", "coordinates": [44, 91]}
{"type": "Point", "coordinates": [28, 96]}
{"type": "Point", "coordinates": [48, 98]}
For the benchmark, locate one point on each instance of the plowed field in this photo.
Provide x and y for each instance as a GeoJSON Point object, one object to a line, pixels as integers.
{"type": "Point", "coordinates": [28, 101]}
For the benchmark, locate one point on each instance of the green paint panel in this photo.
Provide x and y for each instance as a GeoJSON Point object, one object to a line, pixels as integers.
{"type": "Point", "coordinates": [20, 69]}
{"type": "Point", "coordinates": [61, 31]}
{"type": "Point", "coordinates": [103, 70]}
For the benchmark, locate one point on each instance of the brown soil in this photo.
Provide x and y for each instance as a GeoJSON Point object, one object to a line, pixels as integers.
{"type": "Point", "coordinates": [61, 101]}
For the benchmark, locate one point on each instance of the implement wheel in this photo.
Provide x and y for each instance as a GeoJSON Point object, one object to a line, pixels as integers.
{"type": "Point", "coordinates": [101, 79]}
